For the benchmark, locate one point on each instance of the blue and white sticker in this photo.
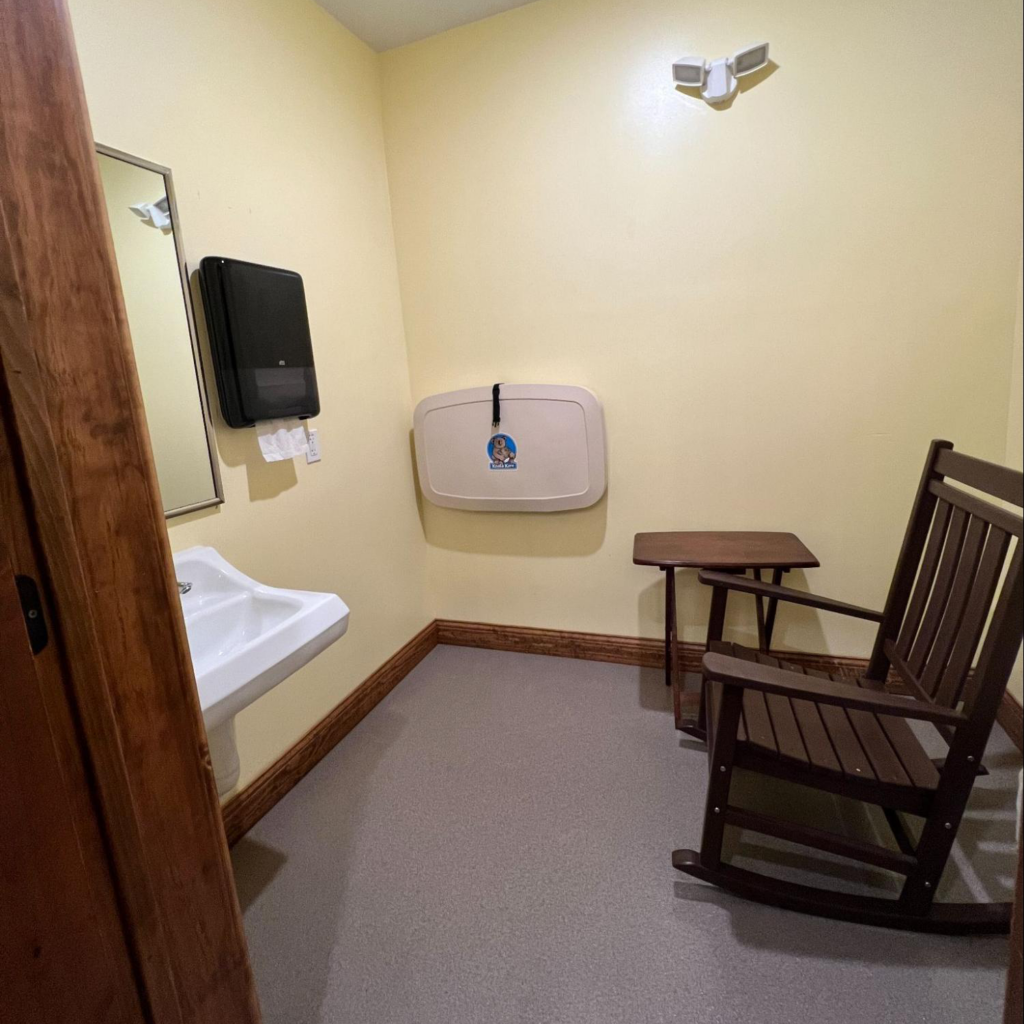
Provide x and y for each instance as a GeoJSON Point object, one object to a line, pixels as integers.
{"type": "Point", "coordinates": [502, 452]}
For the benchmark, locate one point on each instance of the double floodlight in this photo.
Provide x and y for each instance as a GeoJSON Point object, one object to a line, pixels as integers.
{"type": "Point", "coordinates": [716, 79]}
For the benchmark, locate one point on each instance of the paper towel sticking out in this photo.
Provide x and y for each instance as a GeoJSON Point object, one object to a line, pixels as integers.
{"type": "Point", "coordinates": [282, 439]}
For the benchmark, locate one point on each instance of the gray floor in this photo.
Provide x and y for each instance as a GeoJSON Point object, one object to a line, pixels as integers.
{"type": "Point", "coordinates": [491, 845]}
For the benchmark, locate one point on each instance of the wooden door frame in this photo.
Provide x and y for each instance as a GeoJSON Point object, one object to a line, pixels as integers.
{"type": "Point", "coordinates": [75, 426]}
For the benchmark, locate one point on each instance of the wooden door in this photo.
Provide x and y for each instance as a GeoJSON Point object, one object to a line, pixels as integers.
{"type": "Point", "coordinates": [116, 887]}
{"type": "Point", "coordinates": [59, 914]}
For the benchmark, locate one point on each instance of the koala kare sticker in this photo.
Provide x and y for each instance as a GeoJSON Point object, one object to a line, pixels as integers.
{"type": "Point", "coordinates": [501, 451]}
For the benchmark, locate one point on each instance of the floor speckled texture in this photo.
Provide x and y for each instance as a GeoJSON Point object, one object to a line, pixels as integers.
{"type": "Point", "coordinates": [492, 845]}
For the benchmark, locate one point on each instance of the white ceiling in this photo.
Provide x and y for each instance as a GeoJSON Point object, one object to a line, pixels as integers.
{"type": "Point", "coordinates": [388, 23]}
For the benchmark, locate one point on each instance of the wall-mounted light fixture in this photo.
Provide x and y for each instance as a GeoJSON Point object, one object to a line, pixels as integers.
{"type": "Point", "coordinates": [716, 79]}
{"type": "Point", "coordinates": [157, 214]}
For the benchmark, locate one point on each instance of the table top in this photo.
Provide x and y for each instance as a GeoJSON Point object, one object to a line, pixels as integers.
{"type": "Point", "coordinates": [722, 549]}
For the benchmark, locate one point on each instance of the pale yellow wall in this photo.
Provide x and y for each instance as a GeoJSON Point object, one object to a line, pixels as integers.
{"type": "Point", "coordinates": [1015, 418]}
{"type": "Point", "coordinates": [1015, 431]}
{"type": "Point", "coordinates": [151, 283]}
{"type": "Point", "coordinates": [268, 114]}
{"type": "Point", "coordinates": [779, 303]}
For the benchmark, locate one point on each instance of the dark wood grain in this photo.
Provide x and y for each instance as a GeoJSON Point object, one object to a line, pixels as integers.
{"type": "Point", "coordinates": [64, 954]}
{"type": "Point", "coordinates": [908, 563]}
{"type": "Point", "coordinates": [769, 679]}
{"type": "Point", "coordinates": [760, 589]}
{"type": "Point", "coordinates": [962, 587]}
{"type": "Point", "coordinates": [925, 575]}
{"type": "Point", "coordinates": [560, 643]}
{"type": "Point", "coordinates": [999, 481]}
{"type": "Point", "coordinates": [925, 636]}
{"type": "Point", "coordinates": [943, 589]}
{"type": "Point", "coordinates": [972, 623]}
{"type": "Point", "coordinates": [975, 505]}
{"type": "Point", "coordinates": [1011, 719]}
{"type": "Point", "coordinates": [722, 549]}
{"type": "Point", "coordinates": [76, 414]}
{"type": "Point", "coordinates": [867, 853]}
{"type": "Point", "coordinates": [646, 652]}
{"type": "Point", "coordinates": [945, 918]}
{"type": "Point", "coordinates": [241, 812]}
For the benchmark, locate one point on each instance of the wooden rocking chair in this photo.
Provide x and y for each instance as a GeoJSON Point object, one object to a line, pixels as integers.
{"type": "Point", "coordinates": [851, 737]}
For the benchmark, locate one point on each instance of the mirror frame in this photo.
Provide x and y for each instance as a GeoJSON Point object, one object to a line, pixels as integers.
{"type": "Point", "coordinates": [197, 358]}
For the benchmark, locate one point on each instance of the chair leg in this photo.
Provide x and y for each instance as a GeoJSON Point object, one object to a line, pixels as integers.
{"type": "Point", "coordinates": [716, 627]}
{"type": "Point", "coordinates": [940, 829]}
{"type": "Point", "coordinates": [932, 850]}
{"type": "Point", "coordinates": [720, 765]}
{"type": "Point", "coordinates": [670, 624]}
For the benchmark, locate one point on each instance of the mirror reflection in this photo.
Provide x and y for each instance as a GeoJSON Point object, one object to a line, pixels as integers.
{"type": "Point", "coordinates": [147, 243]}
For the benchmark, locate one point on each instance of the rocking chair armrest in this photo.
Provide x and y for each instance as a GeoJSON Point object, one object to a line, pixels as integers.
{"type": "Point", "coordinates": [749, 675]}
{"type": "Point", "coordinates": [745, 585]}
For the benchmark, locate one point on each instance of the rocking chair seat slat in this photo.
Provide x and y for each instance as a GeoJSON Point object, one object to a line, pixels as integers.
{"type": "Point", "coordinates": [819, 747]}
{"type": "Point", "coordinates": [844, 739]}
{"type": "Point", "coordinates": [875, 741]}
{"type": "Point", "coordinates": [824, 738]}
{"type": "Point", "coordinates": [916, 763]}
{"type": "Point", "coordinates": [788, 737]}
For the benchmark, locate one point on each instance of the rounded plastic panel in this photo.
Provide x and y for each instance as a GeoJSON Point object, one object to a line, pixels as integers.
{"type": "Point", "coordinates": [546, 455]}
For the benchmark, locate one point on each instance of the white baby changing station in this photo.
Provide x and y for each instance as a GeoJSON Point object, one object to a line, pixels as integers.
{"type": "Point", "coordinates": [546, 453]}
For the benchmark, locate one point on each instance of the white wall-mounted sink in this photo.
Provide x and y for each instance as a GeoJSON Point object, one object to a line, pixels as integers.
{"type": "Point", "coordinates": [245, 638]}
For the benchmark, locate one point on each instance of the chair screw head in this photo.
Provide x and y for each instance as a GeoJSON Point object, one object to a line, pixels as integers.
{"type": "Point", "coordinates": [927, 885]}
{"type": "Point", "coordinates": [718, 810]}
{"type": "Point", "coordinates": [949, 824]}
{"type": "Point", "coordinates": [970, 759]}
{"type": "Point", "coordinates": [721, 767]}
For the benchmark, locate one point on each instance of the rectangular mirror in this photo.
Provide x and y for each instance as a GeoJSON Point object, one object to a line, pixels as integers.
{"type": "Point", "coordinates": [150, 260]}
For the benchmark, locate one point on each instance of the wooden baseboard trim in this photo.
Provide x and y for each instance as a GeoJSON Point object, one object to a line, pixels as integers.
{"type": "Point", "coordinates": [242, 811]}
{"type": "Point", "coordinates": [558, 643]}
{"type": "Point", "coordinates": [648, 652]}
{"type": "Point", "coordinates": [1011, 718]}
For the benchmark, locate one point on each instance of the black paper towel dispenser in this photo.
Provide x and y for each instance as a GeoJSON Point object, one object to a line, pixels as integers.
{"type": "Point", "coordinates": [259, 338]}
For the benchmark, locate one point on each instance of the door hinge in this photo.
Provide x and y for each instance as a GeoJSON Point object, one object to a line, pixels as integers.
{"type": "Point", "coordinates": [32, 609]}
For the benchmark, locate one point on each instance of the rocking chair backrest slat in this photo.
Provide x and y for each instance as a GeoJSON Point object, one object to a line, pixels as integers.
{"type": "Point", "coordinates": [959, 593]}
{"type": "Point", "coordinates": [999, 651]}
{"type": "Point", "coordinates": [976, 506]}
{"type": "Point", "coordinates": [926, 575]}
{"type": "Point", "coordinates": [948, 581]}
{"type": "Point", "coordinates": [999, 481]}
{"type": "Point", "coordinates": [906, 565]}
{"type": "Point", "coordinates": [922, 643]}
{"type": "Point", "coordinates": [975, 617]}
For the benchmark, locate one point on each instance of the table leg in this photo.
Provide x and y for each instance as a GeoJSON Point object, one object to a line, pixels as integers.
{"type": "Point", "coordinates": [773, 606]}
{"type": "Point", "coordinates": [670, 624]}
{"type": "Point", "coordinates": [762, 637]}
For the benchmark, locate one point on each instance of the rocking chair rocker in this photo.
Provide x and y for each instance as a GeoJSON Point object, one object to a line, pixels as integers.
{"type": "Point", "coordinates": [851, 737]}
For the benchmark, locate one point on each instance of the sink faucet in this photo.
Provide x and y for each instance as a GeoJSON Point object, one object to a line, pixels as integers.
{"type": "Point", "coordinates": [184, 588]}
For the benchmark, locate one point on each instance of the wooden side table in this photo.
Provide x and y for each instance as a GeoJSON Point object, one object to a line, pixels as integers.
{"type": "Point", "coordinates": [725, 551]}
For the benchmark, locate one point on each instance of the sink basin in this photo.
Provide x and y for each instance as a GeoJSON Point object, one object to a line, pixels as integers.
{"type": "Point", "coordinates": [245, 638]}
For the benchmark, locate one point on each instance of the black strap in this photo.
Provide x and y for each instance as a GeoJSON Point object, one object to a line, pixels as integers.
{"type": "Point", "coordinates": [496, 407]}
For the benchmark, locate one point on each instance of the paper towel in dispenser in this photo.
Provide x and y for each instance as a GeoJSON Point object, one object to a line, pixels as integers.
{"type": "Point", "coordinates": [259, 338]}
